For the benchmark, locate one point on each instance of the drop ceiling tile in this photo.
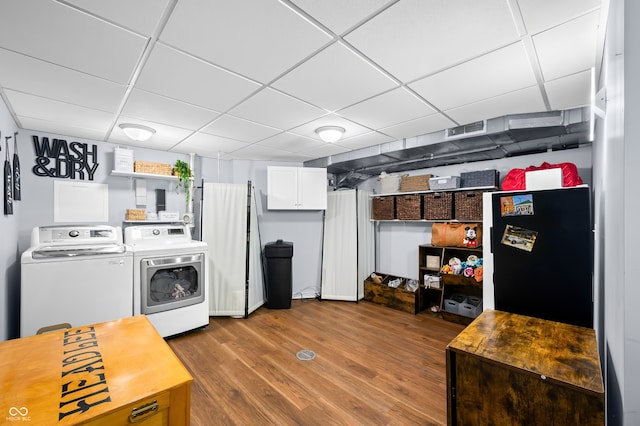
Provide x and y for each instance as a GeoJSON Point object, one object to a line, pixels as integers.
{"type": "Point", "coordinates": [259, 152]}
{"type": "Point", "coordinates": [419, 126]}
{"type": "Point", "coordinates": [309, 129]}
{"type": "Point", "coordinates": [81, 42]}
{"type": "Point", "coordinates": [208, 145]}
{"type": "Point", "coordinates": [156, 108]}
{"type": "Point", "coordinates": [365, 140]}
{"type": "Point", "coordinates": [235, 128]}
{"type": "Point", "coordinates": [256, 38]}
{"type": "Point", "coordinates": [24, 74]}
{"type": "Point", "coordinates": [415, 38]}
{"type": "Point", "coordinates": [520, 101]}
{"type": "Point", "coordinates": [276, 109]}
{"type": "Point", "coordinates": [396, 106]}
{"type": "Point", "coordinates": [333, 79]}
{"type": "Point", "coordinates": [540, 15]}
{"type": "Point", "coordinates": [290, 142]}
{"type": "Point", "coordinates": [324, 151]}
{"type": "Point", "coordinates": [570, 92]}
{"type": "Point", "coordinates": [54, 111]}
{"type": "Point", "coordinates": [140, 16]}
{"type": "Point", "coordinates": [58, 129]}
{"type": "Point", "coordinates": [339, 16]}
{"type": "Point", "coordinates": [176, 75]}
{"type": "Point", "coordinates": [496, 73]}
{"type": "Point", "coordinates": [568, 48]}
{"type": "Point", "coordinates": [164, 138]}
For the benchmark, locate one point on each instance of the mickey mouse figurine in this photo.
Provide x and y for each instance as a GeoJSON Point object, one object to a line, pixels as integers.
{"type": "Point", "coordinates": [470, 237]}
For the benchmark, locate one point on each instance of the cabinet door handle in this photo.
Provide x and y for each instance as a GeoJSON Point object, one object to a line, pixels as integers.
{"type": "Point", "coordinates": [138, 414]}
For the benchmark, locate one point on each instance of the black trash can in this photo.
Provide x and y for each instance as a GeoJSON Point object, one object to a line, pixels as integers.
{"type": "Point", "coordinates": [278, 274]}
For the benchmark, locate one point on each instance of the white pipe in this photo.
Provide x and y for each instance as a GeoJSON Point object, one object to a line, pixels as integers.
{"type": "Point", "coordinates": [192, 164]}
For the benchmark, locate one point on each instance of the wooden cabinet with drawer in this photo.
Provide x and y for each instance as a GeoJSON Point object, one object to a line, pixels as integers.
{"type": "Point", "coordinates": [509, 369]}
{"type": "Point", "coordinates": [113, 373]}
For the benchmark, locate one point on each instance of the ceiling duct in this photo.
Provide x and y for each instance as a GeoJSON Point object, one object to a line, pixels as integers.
{"type": "Point", "coordinates": [506, 136]}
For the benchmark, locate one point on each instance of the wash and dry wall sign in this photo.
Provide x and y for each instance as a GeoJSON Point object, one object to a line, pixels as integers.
{"type": "Point", "coordinates": [59, 159]}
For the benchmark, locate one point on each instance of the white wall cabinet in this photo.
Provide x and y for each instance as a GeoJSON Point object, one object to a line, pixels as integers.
{"type": "Point", "coordinates": [296, 188]}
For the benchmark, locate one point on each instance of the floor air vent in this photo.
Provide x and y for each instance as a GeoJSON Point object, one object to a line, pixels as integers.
{"type": "Point", "coordinates": [306, 355]}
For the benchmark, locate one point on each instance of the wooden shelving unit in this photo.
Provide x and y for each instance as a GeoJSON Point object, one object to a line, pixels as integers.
{"type": "Point", "coordinates": [430, 261]}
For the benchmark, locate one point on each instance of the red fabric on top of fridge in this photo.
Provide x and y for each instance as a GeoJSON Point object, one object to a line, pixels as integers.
{"type": "Point", "coordinates": [515, 178]}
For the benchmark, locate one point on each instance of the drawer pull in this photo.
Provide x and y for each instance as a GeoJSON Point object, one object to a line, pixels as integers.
{"type": "Point", "coordinates": [136, 413]}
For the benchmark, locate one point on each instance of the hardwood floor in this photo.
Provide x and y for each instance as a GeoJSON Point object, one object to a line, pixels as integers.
{"type": "Point", "coordinates": [373, 366]}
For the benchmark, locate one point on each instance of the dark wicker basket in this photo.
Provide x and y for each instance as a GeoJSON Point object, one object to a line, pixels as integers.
{"type": "Point", "coordinates": [383, 208]}
{"type": "Point", "coordinates": [468, 205]}
{"type": "Point", "coordinates": [438, 206]}
{"type": "Point", "coordinates": [409, 207]}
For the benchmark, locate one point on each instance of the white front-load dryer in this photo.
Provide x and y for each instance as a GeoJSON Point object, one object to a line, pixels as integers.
{"type": "Point", "coordinates": [170, 277]}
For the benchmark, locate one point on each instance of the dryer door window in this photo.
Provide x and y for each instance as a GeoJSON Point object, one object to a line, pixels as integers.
{"type": "Point", "coordinates": [171, 283]}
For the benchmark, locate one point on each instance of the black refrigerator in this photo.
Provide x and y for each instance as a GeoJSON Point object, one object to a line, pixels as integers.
{"type": "Point", "coordinates": [542, 247]}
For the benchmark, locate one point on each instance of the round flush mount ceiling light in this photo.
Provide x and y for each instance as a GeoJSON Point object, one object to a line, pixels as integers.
{"type": "Point", "coordinates": [330, 134]}
{"type": "Point", "coordinates": [137, 132]}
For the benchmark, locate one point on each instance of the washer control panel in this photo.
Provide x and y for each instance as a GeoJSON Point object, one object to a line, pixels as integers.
{"type": "Point", "coordinates": [76, 234]}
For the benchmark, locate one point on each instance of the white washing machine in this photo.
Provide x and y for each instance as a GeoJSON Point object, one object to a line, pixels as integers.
{"type": "Point", "coordinates": [170, 276]}
{"type": "Point", "coordinates": [74, 275]}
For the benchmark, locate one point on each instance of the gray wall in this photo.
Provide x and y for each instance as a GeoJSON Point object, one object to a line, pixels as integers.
{"type": "Point", "coordinates": [9, 249]}
{"type": "Point", "coordinates": [397, 242]}
{"type": "Point", "coordinates": [38, 190]}
{"type": "Point", "coordinates": [302, 228]}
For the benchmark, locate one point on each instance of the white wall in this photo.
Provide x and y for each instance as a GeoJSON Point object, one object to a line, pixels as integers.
{"type": "Point", "coordinates": [9, 250]}
{"type": "Point", "coordinates": [616, 169]}
{"type": "Point", "coordinates": [397, 242]}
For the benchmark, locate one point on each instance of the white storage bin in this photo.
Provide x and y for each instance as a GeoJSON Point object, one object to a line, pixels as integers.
{"type": "Point", "coordinates": [389, 183]}
{"type": "Point", "coordinates": [122, 159]}
{"type": "Point", "coordinates": [431, 281]}
{"type": "Point", "coordinates": [164, 215]}
{"type": "Point", "coordinates": [444, 182]}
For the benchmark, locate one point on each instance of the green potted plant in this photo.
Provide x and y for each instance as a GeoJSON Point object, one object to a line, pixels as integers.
{"type": "Point", "coordinates": [182, 170]}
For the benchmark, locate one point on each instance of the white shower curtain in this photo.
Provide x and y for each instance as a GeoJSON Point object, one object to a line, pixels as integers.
{"type": "Point", "coordinates": [348, 248]}
{"type": "Point", "coordinates": [232, 292]}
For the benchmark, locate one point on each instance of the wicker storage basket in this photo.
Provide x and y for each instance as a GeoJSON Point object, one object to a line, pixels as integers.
{"type": "Point", "coordinates": [438, 206]}
{"type": "Point", "coordinates": [480, 178]}
{"type": "Point", "coordinates": [383, 208]}
{"type": "Point", "coordinates": [415, 183]}
{"type": "Point", "coordinates": [409, 207]}
{"type": "Point", "coordinates": [152, 168]}
{"type": "Point", "coordinates": [468, 205]}
{"type": "Point", "coordinates": [136, 214]}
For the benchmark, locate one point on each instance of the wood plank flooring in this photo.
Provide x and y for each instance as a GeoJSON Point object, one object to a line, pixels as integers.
{"type": "Point", "coordinates": [373, 366]}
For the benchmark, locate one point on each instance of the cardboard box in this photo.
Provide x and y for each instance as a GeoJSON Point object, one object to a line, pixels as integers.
{"type": "Point", "coordinates": [543, 179]}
